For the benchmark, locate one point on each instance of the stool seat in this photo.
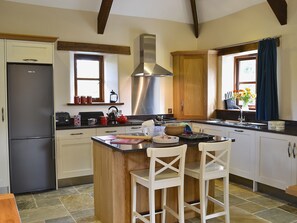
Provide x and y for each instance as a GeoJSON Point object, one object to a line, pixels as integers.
{"type": "Point", "coordinates": [166, 171]}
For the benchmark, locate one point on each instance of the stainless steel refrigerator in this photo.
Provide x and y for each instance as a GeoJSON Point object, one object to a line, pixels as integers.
{"type": "Point", "coordinates": [31, 127]}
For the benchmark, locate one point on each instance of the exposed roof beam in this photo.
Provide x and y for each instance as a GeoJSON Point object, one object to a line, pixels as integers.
{"type": "Point", "coordinates": [103, 15]}
{"type": "Point", "coordinates": [195, 17]}
{"type": "Point", "coordinates": [279, 7]}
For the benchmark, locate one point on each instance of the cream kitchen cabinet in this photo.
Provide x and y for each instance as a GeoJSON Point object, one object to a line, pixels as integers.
{"type": "Point", "coordinates": [208, 129]}
{"type": "Point", "coordinates": [74, 153]}
{"type": "Point", "coordinates": [276, 159]}
{"type": "Point", "coordinates": [134, 129]}
{"type": "Point", "coordinates": [242, 157]}
{"type": "Point", "coordinates": [29, 52]}
{"type": "Point", "coordinates": [4, 165]}
{"type": "Point", "coordinates": [111, 131]}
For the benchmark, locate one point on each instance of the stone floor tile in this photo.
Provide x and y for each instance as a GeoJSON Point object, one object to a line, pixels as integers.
{"type": "Point", "coordinates": [85, 188]}
{"type": "Point", "coordinates": [266, 201]}
{"type": "Point", "coordinates": [77, 202]}
{"type": "Point", "coordinates": [48, 202]}
{"type": "Point", "coordinates": [291, 208]}
{"type": "Point", "coordinates": [56, 193]}
{"type": "Point", "coordinates": [90, 219]}
{"type": "Point", "coordinates": [82, 213]}
{"type": "Point", "coordinates": [24, 197]}
{"type": "Point", "coordinates": [41, 214]}
{"type": "Point", "coordinates": [233, 200]}
{"type": "Point", "coordinates": [238, 215]}
{"type": "Point", "coordinates": [26, 204]}
{"type": "Point", "coordinates": [276, 215]}
{"type": "Point", "coordinates": [67, 219]}
{"type": "Point", "coordinates": [251, 207]}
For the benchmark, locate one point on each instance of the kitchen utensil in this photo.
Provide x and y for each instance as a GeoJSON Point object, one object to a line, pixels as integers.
{"type": "Point", "coordinates": [113, 97]}
{"type": "Point", "coordinates": [165, 139]}
{"type": "Point", "coordinates": [92, 121]}
{"type": "Point", "coordinates": [112, 114]}
{"type": "Point", "coordinates": [103, 120]}
{"type": "Point", "coordinates": [122, 119]}
{"type": "Point", "coordinates": [89, 100]}
{"type": "Point", "coordinates": [174, 129]}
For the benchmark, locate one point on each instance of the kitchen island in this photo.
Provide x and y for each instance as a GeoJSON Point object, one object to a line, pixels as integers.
{"type": "Point", "coordinates": [112, 186]}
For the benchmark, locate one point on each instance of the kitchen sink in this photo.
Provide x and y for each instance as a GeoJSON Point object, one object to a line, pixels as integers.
{"type": "Point", "coordinates": [238, 123]}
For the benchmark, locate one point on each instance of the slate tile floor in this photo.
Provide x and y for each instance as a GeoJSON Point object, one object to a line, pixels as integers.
{"type": "Point", "coordinates": [75, 205]}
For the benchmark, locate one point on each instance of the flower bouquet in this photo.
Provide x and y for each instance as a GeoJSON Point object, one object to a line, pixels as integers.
{"type": "Point", "coordinates": [246, 96]}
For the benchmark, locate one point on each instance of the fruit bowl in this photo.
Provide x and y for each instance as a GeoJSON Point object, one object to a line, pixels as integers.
{"type": "Point", "coordinates": [174, 129]}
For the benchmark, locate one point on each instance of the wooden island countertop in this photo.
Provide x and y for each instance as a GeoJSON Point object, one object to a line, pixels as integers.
{"type": "Point", "coordinates": [112, 186]}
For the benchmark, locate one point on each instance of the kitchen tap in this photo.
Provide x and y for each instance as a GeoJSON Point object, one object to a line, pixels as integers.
{"type": "Point", "coordinates": [240, 118]}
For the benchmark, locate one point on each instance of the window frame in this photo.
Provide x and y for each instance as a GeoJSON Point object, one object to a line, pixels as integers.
{"type": "Point", "coordinates": [237, 60]}
{"type": "Point", "coordinates": [98, 58]}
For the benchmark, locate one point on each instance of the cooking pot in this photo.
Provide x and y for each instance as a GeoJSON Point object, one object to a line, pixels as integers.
{"type": "Point", "coordinates": [112, 114]}
{"type": "Point", "coordinates": [122, 119]}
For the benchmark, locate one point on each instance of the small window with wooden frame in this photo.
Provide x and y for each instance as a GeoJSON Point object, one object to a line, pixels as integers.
{"type": "Point", "coordinates": [245, 75]}
{"type": "Point", "coordinates": [89, 76]}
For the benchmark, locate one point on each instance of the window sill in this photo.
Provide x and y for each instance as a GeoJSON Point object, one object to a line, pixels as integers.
{"type": "Point", "coordinates": [95, 104]}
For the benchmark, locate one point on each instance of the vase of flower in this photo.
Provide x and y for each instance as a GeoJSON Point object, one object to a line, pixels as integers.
{"type": "Point", "coordinates": [245, 96]}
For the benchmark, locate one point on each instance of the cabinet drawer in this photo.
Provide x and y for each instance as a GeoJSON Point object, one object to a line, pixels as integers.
{"type": "Point", "coordinates": [134, 129]}
{"type": "Point", "coordinates": [110, 130]}
{"type": "Point", "coordinates": [29, 52]}
{"type": "Point", "coordinates": [75, 133]}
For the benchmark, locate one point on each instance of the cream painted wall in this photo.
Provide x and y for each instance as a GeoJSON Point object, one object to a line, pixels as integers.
{"type": "Point", "coordinates": [81, 26]}
{"type": "Point", "coordinates": [251, 24]}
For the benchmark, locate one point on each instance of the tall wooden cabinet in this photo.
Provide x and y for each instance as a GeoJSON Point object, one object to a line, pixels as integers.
{"type": "Point", "coordinates": [194, 84]}
{"type": "Point", "coordinates": [4, 167]}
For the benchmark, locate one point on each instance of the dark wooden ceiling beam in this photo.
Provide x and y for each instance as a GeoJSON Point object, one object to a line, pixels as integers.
{"type": "Point", "coordinates": [279, 7]}
{"type": "Point", "coordinates": [92, 47]}
{"type": "Point", "coordinates": [195, 18]}
{"type": "Point", "coordinates": [103, 15]}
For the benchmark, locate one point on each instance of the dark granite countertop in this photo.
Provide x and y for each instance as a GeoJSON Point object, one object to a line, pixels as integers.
{"type": "Point", "coordinates": [141, 147]}
{"type": "Point", "coordinates": [129, 123]}
{"type": "Point", "coordinates": [290, 127]}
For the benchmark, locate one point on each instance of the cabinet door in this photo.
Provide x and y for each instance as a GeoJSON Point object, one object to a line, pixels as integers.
{"type": "Point", "coordinates": [29, 52]}
{"type": "Point", "coordinates": [75, 153]}
{"type": "Point", "coordinates": [110, 131]}
{"type": "Point", "coordinates": [209, 129]}
{"type": "Point", "coordinates": [242, 158]}
{"type": "Point", "coordinates": [275, 161]}
{"type": "Point", "coordinates": [190, 86]}
{"type": "Point", "coordinates": [4, 169]}
{"type": "Point", "coordinates": [134, 129]}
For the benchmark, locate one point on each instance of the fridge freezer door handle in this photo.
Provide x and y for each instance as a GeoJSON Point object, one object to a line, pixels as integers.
{"type": "Point", "coordinates": [2, 114]}
{"type": "Point", "coordinates": [53, 125]}
{"type": "Point", "coordinates": [53, 148]}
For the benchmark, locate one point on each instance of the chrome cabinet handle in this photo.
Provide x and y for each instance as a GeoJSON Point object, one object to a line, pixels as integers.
{"type": "Point", "coordinates": [2, 114]}
{"type": "Point", "coordinates": [289, 147]}
{"type": "Point", "coordinates": [182, 106]}
{"type": "Point", "coordinates": [293, 150]}
{"type": "Point", "coordinates": [236, 130]}
{"type": "Point", "coordinates": [76, 134]}
{"type": "Point", "coordinates": [30, 60]}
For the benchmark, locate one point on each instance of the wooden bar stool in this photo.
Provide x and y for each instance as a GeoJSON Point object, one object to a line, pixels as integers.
{"type": "Point", "coordinates": [168, 175]}
{"type": "Point", "coordinates": [214, 164]}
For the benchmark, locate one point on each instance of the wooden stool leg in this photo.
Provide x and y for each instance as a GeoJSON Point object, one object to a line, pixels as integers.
{"type": "Point", "coordinates": [133, 199]}
{"type": "Point", "coordinates": [152, 205]}
{"type": "Point", "coordinates": [164, 197]}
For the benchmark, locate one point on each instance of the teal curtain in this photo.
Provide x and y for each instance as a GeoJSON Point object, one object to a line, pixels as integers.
{"type": "Point", "coordinates": [267, 99]}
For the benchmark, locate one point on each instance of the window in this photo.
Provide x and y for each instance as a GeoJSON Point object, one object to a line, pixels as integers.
{"type": "Point", "coordinates": [89, 76]}
{"type": "Point", "coordinates": [246, 74]}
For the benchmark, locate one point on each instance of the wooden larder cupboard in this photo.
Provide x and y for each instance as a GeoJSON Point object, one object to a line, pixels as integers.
{"type": "Point", "coordinates": [194, 84]}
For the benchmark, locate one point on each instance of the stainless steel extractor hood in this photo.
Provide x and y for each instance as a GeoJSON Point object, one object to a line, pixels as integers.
{"type": "Point", "coordinates": [148, 65]}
